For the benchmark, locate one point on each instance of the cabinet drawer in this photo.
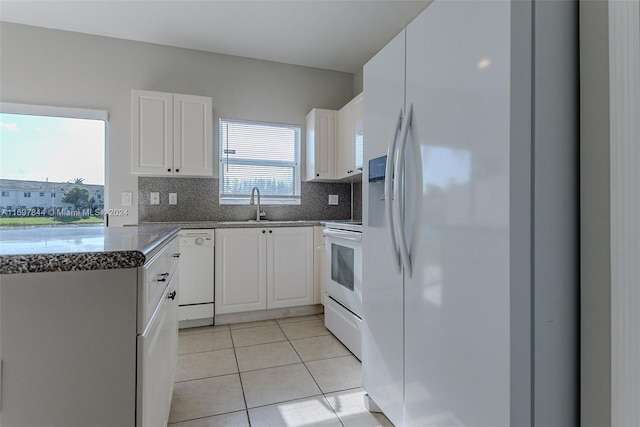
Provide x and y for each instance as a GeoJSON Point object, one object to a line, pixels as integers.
{"type": "Point", "coordinates": [345, 325]}
{"type": "Point", "coordinates": [153, 280]}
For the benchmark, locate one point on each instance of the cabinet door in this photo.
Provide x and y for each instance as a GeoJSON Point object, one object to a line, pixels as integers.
{"type": "Point", "coordinates": [152, 132]}
{"type": "Point", "coordinates": [193, 135]}
{"type": "Point", "coordinates": [345, 158]}
{"type": "Point", "coordinates": [240, 270]}
{"type": "Point", "coordinates": [289, 267]}
{"type": "Point", "coordinates": [320, 144]}
{"type": "Point", "coordinates": [157, 357]}
{"type": "Point", "coordinates": [358, 126]}
{"type": "Point", "coordinates": [350, 139]}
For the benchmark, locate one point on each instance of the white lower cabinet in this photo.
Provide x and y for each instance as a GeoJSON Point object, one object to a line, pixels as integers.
{"type": "Point", "coordinates": [289, 267]}
{"type": "Point", "coordinates": [240, 270]}
{"type": "Point", "coordinates": [90, 347]}
{"type": "Point", "coordinates": [157, 358]}
{"type": "Point", "coordinates": [263, 268]}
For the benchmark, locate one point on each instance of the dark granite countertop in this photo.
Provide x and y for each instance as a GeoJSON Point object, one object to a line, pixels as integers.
{"type": "Point", "coordinates": [61, 248]}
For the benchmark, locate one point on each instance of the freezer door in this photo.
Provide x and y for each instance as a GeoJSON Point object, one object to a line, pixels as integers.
{"type": "Point", "coordinates": [382, 354]}
{"type": "Point", "coordinates": [457, 216]}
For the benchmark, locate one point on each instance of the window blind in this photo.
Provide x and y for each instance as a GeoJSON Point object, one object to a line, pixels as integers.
{"type": "Point", "coordinates": [263, 155]}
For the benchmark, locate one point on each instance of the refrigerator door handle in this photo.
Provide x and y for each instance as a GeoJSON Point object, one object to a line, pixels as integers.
{"type": "Point", "coordinates": [388, 194]}
{"type": "Point", "coordinates": [398, 199]}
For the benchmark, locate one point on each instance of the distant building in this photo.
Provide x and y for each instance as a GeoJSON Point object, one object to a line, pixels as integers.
{"type": "Point", "coordinates": [19, 195]}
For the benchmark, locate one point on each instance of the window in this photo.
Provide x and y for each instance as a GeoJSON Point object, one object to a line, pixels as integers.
{"type": "Point", "coordinates": [5, 194]}
{"type": "Point", "coordinates": [263, 155]}
{"type": "Point", "coordinates": [49, 150]}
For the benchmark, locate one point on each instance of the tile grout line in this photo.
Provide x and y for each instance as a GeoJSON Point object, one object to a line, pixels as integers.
{"type": "Point", "coordinates": [234, 347]}
{"type": "Point", "coordinates": [244, 398]}
{"type": "Point", "coordinates": [204, 351]}
{"type": "Point", "coordinates": [187, 333]}
{"type": "Point", "coordinates": [316, 382]}
{"type": "Point", "coordinates": [201, 418]}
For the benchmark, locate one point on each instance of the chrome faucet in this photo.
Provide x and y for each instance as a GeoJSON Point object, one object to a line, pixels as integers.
{"type": "Point", "coordinates": [259, 214]}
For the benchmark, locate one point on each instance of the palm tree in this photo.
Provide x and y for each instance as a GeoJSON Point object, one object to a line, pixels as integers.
{"type": "Point", "coordinates": [77, 181]}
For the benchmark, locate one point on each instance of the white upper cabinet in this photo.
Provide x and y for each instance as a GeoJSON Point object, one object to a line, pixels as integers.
{"type": "Point", "coordinates": [350, 142]}
{"type": "Point", "coordinates": [152, 132]}
{"type": "Point", "coordinates": [172, 134]}
{"type": "Point", "coordinates": [335, 142]}
{"type": "Point", "coordinates": [358, 128]}
{"type": "Point", "coordinates": [321, 145]}
{"type": "Point", "coordinates": [192, 135]}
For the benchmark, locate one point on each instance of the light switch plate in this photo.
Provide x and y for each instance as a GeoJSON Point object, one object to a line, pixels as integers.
{"type": "Point", "coordinates": [126, 198]}
{"type": "Point", "coordinates": [155, 198]}
{"type": "Point", "coordinates": [333, 199]}
{"type": "Point", "coordinates": [173, 198]}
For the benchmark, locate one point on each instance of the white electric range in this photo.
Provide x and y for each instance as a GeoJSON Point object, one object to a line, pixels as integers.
{"type": "Point", "coordinates": [343, 286]}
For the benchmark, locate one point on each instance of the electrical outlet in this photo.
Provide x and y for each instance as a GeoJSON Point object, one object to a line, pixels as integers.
{"type": "Point", "coordinates": [333, 199]}
{"type": "Point", "coordinates": [155, 198]}
{"type": "Point", "coordinates": [173, 198]}
{"type": "Point", "coordinates": [126, 198]}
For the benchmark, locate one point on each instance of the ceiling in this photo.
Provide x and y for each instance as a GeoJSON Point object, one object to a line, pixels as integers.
{"type": "Point", "coordinates": [339, 35]}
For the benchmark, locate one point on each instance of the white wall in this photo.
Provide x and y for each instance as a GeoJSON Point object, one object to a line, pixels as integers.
{"type": "Point", "coordinates": [610, 202]}
{"type": "Point", "coordinates": [358, 81]}
{"type": "Point", "coordinates": [59, 68]}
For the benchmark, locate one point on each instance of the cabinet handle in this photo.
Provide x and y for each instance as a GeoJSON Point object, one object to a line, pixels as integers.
{"type": "Point", "coordinates": [317, 174]}
{"type": "Point", "coordinates": [270, 231]}
{"type": "Point", "coordinates": [177, 170]}
{"type": "Point", "coordinates": [168, 170]}
{"type": "Point", "coordinates": [163, 277]}
{"type": "Point", "coordinates": [263, 231]}
{"type": "Point", "coordinates": [176, 255]}
{"type": "Point", "coordinates": [172, 295]}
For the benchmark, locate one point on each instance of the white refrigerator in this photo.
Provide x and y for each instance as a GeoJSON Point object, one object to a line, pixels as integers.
{"type": "Point", "coordinates": [470, 244]}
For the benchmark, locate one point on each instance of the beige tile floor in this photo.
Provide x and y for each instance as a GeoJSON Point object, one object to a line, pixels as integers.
{"type": "Point", "coordinates": [285, 372]}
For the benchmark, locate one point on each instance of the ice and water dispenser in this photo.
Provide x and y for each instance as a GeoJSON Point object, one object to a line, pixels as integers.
{"type": "Point", "coordinates": [377, 168]}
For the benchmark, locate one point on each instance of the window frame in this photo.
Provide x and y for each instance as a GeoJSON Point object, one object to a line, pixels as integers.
{"type": "Point", "coordinates": [265, 199]}
{"type": "Point", "coordinates": [70, 113]}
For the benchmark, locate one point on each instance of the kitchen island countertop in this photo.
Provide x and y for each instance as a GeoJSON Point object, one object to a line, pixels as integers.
{"type": "Point", "coordinates": [70, 248]}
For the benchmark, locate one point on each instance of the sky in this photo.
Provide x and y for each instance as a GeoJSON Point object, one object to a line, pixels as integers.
{"type": "Point", "coordinates": [41, 148]}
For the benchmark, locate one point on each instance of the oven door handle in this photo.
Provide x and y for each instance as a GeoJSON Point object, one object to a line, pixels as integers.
{"type": "Point", "coordinates": [347, 235]}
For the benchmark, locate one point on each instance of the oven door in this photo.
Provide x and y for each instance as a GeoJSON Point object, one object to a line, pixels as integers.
{"type": "Point", "coordinates": [344, 268]}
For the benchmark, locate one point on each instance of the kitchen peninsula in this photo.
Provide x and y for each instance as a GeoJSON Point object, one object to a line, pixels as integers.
{"type": "Point", "coordinates": [88, 325]}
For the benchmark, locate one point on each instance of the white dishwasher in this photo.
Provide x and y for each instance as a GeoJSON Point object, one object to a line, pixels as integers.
{"type": "Point", "coordinates": [196, 278]}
